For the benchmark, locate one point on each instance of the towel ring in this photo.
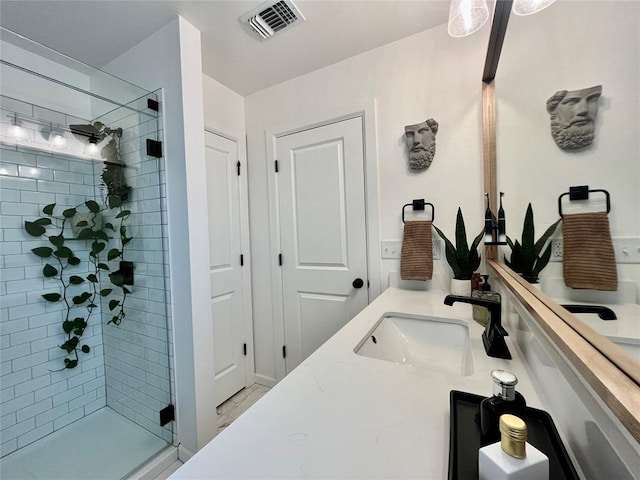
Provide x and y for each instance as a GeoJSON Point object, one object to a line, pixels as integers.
{"type": "Point", "coordinates": [419, 205]}
{"type": "Point", "coordinates": [582, 193]}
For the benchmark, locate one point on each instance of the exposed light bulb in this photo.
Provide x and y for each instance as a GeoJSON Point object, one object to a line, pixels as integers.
{"type": "Point", "coordinates": [57, 138]}
{"type": "Point", "coordinates": [16, 130]}
{"type": "Point", "coordinates": [93, 145]}
{"type": "Point", "coordinates": [467, 16]}
{"type": "Point", "coordinates": [529, 7]}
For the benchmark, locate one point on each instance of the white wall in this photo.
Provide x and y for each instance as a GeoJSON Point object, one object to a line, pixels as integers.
{"type": "Point", "coordinates": [426, 75]}
{"type": "Point", "coordinates": [170, 59]}
{"type": "Point", "coordinates": [571, 45]}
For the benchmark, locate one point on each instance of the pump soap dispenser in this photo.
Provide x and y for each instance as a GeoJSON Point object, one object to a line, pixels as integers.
{"type": "Point", "coordinates": [505, 399]}
{"type": "Point", "coordinates": [512, 458]}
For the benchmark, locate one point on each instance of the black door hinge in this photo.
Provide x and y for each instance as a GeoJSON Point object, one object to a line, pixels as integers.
{"type": "Point", "coordinates": [154, 148]}
{"type": "Point", "coordinates": [276, 162]}
{"type": "Point", "coordinates": [284, 351]}
{"type": "Point", "coordinates": [238, 165]}
{"type": "Point", "coordinates": [244, 349]}
{"type": "Point", "coordinates": [280, 259]}
{"type": "Point", "coordinates": [167, 414]}
{"type": "Point", "coordinates": [241, 260]}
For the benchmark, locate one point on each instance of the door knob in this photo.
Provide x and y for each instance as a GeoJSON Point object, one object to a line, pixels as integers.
{"type": "Point", "coordinates": [358, 283]}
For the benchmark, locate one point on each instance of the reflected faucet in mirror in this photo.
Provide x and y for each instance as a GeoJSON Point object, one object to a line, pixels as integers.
{"type": "Point", "coordinates": [494, 332]}
{"type": "Point", "coordinates": [605, 313]}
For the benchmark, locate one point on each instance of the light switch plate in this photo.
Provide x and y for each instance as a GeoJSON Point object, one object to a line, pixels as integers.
{"type": "Point", "coordinates": [392, 248]}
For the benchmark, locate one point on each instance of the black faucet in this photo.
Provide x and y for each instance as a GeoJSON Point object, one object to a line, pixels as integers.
{"type": "Point", "coordinates": [605, 313]}
{"type": "Point", "coordinates": [494, 333]}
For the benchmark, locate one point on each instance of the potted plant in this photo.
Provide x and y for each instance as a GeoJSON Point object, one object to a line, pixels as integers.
{"type": "Point", "coordinates": [462, 259]}
{"type": "Point", "coordinates": [526, 258]}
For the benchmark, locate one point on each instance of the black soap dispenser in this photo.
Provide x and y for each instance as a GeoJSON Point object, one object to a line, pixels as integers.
{"type": "Point", "coordinates": [505, 399]}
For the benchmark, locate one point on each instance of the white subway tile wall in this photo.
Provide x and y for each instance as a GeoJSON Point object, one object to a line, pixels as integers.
{"type": "Point", "coordinates": [128, 366]}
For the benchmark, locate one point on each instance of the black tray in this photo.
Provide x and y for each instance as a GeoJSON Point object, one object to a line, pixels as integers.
{"type": "Point", "coordinates": [464, 441]}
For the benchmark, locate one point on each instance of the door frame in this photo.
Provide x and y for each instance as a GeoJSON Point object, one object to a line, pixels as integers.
{"type": "Point", "coordinates": [365, 110]}
{"type": "Point", "coordinates": [247, 305]}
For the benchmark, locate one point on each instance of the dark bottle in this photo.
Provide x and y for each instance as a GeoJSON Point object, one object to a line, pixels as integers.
{"type": "Point", "coordinates": [505, 400]}
{"type": "Point", "coordinates": [488, 222]}
{"type": "Point", "coordinates": [502, 228]}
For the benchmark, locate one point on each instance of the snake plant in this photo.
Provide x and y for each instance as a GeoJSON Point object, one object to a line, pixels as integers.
{"type": "Point", "coordinates": [526, 257]}
{"type": "Point", "coordinates": [462, 259]}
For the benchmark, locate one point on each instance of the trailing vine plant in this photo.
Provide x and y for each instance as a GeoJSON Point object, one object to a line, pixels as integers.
{"type": "Point", "coordinates": [61, 259]}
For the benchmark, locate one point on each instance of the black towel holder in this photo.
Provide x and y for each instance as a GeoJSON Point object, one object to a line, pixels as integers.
{"type": "Point", "coordinates": [582, 192]}
{"type": "Point", "coordinates": [418, 205]}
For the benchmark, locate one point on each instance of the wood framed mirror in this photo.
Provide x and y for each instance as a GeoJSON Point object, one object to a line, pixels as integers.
{"type": "Point", "coordinates": [570, 45]}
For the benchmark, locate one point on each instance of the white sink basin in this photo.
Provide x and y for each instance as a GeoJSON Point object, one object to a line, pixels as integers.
{"type": "Point", "coordinates": [629, 345]}
{"type": "Point", "coordinates": [427, 343]}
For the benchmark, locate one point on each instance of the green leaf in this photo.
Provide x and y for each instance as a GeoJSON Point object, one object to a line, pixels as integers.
{"type": "Point", "coordinates": [97, 247]}
{"type": "Point", "coordinates": [48, 210]}
{"type": "Point", "coordinates": [49, 271]}
{"type": "Point", "coordinates": [43, 221]}
{"type": "Point", "coordinates": [75, 280]}
{"type": "Point", "coordinates": [80, 299]}
{"type": "Point", "coordinates": [43, 252]}
{"type": "Point", "coordinates": [69, 212]}
{"type": "Point", "coordinates": [82, 223]}
{"type": "Point", "coordinates": [101, 235]}
{"type": "Point", "coordinates": [67, 326]}
{"type": "Point", "coordinates": [106, 291]}
{"type": "Point", "coordinates": [73, 260]}
{"type": "Point", "coordinates": [70, 363]}
{"type": "Point", "coordinates": [52, 297]}
{"type": "Point", "coordinates": [85, 234]}
{"type": "Point", "coordinates": [123, 213]}
{"type": "Point", "coordinates": [546, 236]}
{"type": "Point", "coordinates": [70, 344]}
{"type": "Point", "coordinates": [113, 253]}
{"type": "Point", "coordinates": [126, 240]}
{"type": "Point", "coordinates": [63, 252]}
{"type": "Point", "coordinates": [92, 206]}
{"type": "Point", "coordinates": [57, 240]}
{"type": "Point", "coordinates": [114, 201]}
{"type": "Point", "coordinates": [126, 290]}
{"type": "Point", "coordinates": [113, 304]}
{"type": "Point", "coordinates": [117, 279]}
{"type": "Point", "coordinates": [103, 266]}
{"type": "Point", "coordinates": [34, 229]}
{"type": "Point", "coordinates": [85, 349]}
{"type": "Point", "coordinates": [79, 322]}
{"type": "Point", "coordinates": [92, 278]}
{"type": "Point", "coordinates": [109, 226]}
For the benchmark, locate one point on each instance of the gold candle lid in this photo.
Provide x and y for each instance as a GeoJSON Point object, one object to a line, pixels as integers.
{"type": "Point", "coordinates": [514, 435]}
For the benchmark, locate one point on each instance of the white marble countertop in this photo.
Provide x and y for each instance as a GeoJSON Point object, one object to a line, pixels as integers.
{"type": "Point", "coordinates": [343, 415]}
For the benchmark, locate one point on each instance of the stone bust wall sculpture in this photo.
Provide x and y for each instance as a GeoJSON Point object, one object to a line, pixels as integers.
{"type": "Point", "coordinates": [573, 115]}
{"type": "Point", "coordinates": [421, 142]}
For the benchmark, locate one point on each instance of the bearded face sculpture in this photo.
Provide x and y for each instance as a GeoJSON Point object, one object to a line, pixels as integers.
{"type": "Point", "coordinates": [573, 115]}
{"type": "Point", "coordinates": [421, 142]}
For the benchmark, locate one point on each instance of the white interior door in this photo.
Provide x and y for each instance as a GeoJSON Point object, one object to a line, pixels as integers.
{"type": "Point", "coordinates": [223, 198]}
{"type": "Point", "coordinates": [321, 199]}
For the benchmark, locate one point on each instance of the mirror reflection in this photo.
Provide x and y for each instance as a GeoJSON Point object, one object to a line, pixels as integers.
{"type": "Point", "coordinates": [576, 64]}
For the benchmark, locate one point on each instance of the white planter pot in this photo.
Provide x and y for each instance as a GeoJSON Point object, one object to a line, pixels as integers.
{"type": "Point", "coordinates": [461, 287]}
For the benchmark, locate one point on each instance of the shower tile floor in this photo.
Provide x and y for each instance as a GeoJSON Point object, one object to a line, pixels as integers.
{"type": "Point", "coordinates": [103, 445]}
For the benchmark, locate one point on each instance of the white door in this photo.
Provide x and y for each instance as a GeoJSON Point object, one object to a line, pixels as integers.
{"type": "Point", "coordinates": [223, 198]}
{"type": "Point", "coordinates": [321, 199]}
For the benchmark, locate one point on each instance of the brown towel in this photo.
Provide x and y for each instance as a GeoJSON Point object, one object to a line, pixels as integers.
{"type": "Point", "coordinates": [416, 259]}
{"type": "Point", "coordinates": [588, 257]}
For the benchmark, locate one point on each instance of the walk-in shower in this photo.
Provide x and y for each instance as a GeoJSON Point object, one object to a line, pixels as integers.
{"type": "Point", "coordinates": [86, 389]}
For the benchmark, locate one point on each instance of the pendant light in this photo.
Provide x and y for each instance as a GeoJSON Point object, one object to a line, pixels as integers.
{"type": "Point", "coordinates": [467, 16]}
{"type": "Point", "coordinates": [529, 7]}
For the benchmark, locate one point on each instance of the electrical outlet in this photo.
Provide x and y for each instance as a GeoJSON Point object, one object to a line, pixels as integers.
{"type": "Point", "coordinates": [627, 249]}
{"type": "Point", "coordinates": [556, 250]}
{"type": "Point", "coordinates": [393, 248]}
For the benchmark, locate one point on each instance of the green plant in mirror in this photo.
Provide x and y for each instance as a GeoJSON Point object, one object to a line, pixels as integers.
{"type": "Point", "coordinates": [462, 259]}
{"type": "Point", "coordinates": [79, 279]}
{"type": "Point", "coordinates": [527, 257]}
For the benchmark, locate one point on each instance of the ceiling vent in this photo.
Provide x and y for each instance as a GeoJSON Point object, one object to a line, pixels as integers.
{"type": "Point", "coordinates": [271, 18]}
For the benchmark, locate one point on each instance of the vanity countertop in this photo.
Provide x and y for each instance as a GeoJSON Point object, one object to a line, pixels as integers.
{"type": "Point", "coordinates": [343, 415]}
